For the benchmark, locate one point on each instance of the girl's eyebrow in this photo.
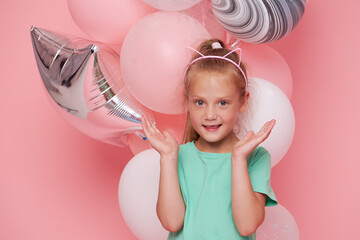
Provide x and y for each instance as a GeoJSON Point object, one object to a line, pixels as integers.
{"type": "Point", "coordinates": [195, 96]}
{"type": "Point", "coordinates": [218, 98]}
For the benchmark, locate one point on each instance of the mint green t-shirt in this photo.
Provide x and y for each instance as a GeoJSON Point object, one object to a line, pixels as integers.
{"type": "Point", "coordinates": [205, 182]}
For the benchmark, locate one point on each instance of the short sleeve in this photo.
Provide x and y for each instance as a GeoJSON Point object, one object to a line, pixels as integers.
{"type": "Point", "coordinates": [181, 176]}
{"type": "Point", "coordinates": [259, 166]}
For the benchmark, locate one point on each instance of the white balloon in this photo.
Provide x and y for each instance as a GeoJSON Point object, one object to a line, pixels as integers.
{"type": "Point", "coordinates": [279, 224]}
{"type": "Point", "coordinates": [268, 102]}
{"type": "Point", "coordinates": [138, 190]}
{"type": "Point", "coordinates": [172, 5]}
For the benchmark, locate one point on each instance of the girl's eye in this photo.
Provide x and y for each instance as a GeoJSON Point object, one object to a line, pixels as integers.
{"type": "Point", "coordinates": [223, 103]}
{"type": "Point", "coordinates": [199, 102]}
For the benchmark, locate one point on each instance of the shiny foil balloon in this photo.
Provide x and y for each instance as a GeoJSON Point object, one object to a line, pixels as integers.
{"type": "Point", "coordinates": [83, 80]}
{"type": "Point", "coordinates": [258, 21]}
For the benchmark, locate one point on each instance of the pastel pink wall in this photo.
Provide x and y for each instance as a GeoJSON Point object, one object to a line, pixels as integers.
{"type": "Point", "coordinates": [56, 183]}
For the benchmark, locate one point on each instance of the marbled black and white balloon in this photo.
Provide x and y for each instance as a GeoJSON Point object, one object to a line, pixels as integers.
{"type": "Point", "coordinates": [258, 21]}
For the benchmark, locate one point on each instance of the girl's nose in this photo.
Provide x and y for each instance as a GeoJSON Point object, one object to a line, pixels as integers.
{"type": "Point", "coordinates": [210, 113]}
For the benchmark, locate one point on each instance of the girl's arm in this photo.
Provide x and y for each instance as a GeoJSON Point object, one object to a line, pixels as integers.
{"type": "Point", "coordinates": [170, 206]}
{"type": "Point", "coordinates": [248, 207]}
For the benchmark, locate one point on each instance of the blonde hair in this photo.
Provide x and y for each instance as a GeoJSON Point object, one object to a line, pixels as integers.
{"type": "Point", "coordinates": [212, 65]}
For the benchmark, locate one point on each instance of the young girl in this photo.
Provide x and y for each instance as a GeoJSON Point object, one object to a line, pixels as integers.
{"type": "Point", "coordinates": [214, 186]}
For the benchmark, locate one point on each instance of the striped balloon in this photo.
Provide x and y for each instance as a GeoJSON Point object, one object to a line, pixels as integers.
{"type": "Point", "coordinates": [258, 21]}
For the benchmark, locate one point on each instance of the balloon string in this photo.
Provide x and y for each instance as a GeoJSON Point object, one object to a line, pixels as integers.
{"type": "Point", "coordinates": [236, 44]}
{"type": "Point", "coordinates": [203, 16]}
{"type": "Point", "coordinates": [140, 135]}
{"type": "Point", "coordinates": [228, 40]}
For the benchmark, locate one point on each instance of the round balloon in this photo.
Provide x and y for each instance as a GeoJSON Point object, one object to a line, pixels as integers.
{"type": "Point", "coordinates": [173, 5]}
{"type": "Point", "coordinates": [153, 59]}
{"type": "Point", "coordinates": [138, 191]}
{"type": "Point", "coordinates": [264, 62]}
{"type": "Point", "coordinates": [108, 20]}
{"type": "Point", "coordinates": [268, 102]}
{"type": "Point", "coordinates": [278, 224]}
{"type": "Point", "coordinates": [258, 21]}
{"type": "Point", "coordinates": [204, 14]}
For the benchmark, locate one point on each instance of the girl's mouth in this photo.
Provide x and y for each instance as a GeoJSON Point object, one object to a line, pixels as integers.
{"type": "Point", "coordinates": [212, 128]}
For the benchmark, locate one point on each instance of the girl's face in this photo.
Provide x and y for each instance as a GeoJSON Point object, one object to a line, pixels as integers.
{"type": "Point", "coordinates": [213, 104]}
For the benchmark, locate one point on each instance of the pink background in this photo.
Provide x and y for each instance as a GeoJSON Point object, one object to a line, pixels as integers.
{"type": "Point", "coordinates": [57, 183]}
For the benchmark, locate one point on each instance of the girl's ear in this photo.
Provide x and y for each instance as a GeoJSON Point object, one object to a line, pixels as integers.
{"type": "Point", "coordinates": [245, 102]}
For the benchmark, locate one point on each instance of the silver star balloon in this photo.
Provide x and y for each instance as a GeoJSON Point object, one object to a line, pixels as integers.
{"type": "Point", "coordinates": [83, 79]}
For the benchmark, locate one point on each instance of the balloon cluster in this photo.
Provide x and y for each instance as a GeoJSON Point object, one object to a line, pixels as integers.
{"type": "Point", "coordinates": [103, 93]}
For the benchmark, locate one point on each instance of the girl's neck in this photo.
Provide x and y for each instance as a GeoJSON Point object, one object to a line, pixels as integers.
{"type": "Point", "coordinates": [223, 146]}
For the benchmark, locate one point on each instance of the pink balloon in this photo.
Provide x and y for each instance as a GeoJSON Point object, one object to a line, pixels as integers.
{"type": "Point", "coordinates": [278, 224]}
{"type": "Point", "coordinates": [264, 62]}
{"type": "Point", "coordinates": [175, 124]}
{"type": "Point", "coordinates": [204, 14]}
{"type": "Point", "coordinates": [108, 20]}
{"type": "Point", "coordinates": [153, 58]}
{"type": "Point", "coordinates": [174, 5]}
{"type": "Point", "coordinates": [136, 144]}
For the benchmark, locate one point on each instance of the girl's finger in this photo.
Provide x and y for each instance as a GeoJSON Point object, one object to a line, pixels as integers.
{"type": "Point", "coordinates": [267, 131]}
{"type": "Point", "coordinates": [270, 125]}
{"type": "Point", "coordinates": [263, 129]}
{"type": "Point", "coordinates": [154, 126]}
{"type": "Point", "coordinates": [267, 127]}
{"type": "Point", "coordinates": [270, 128]}
{"type": "Point", "coordinates": [248, 135]}
{"type": "Point", "coordinates": [153, 129]}
{"type": "Point", "coordinates": [145, 126]}
{"type": "Point", "coordinates": [149, 125]}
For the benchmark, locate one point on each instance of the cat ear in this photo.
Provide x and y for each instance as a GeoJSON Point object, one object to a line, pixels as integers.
{"type": "Point", "coordinates": [189, 53]}
{"type": "Point", "coordinates": [239, 53]}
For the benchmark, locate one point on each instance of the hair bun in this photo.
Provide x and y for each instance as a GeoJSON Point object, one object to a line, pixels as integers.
{"type": "Point", "coordinates": [216, 45]}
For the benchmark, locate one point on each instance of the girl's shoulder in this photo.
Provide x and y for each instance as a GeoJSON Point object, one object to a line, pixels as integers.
{"type": "Point", "coordinates": [186, 153]}
{"type": "Point", "coordinates": [260, 150]}
{"type": "Point", "coordinates": [258, 153]}
{"type": "Point", "coordinates": [186, 147]}
{"type": "Point", "coordinates": [186, 144]}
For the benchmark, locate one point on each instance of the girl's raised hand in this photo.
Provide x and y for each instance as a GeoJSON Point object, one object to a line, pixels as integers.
{"type": "Point", "coordinates": [164, 143]}
{"type": "Point", "coordinates": [247, 144]}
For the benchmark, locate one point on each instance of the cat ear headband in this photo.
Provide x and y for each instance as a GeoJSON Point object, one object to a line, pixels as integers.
{"type": "Point", "coordinates": [216, 45]}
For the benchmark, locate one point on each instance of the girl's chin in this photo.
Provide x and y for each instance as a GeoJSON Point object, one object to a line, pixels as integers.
{"type": "Point", "coordinates": [218, 137]}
